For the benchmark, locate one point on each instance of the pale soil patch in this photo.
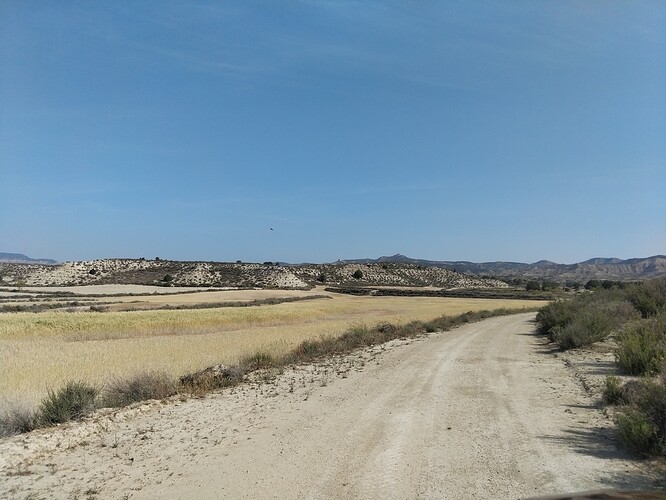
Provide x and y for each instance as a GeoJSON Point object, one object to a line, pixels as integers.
{"type": "Point", "coordinates": [45, 350]}
{"type": "Point", "coordinates": [480, 412]}
{"type": "Point", "coordinates": [110, 289]}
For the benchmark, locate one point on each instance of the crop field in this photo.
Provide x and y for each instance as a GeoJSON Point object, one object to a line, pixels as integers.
{"type": "Point", "coordinates": [41, 351]}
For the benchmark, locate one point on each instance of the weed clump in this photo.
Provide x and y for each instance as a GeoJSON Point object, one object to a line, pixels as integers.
{"type": "Point", "coordinates": [73, 401]}
{"type": "Point", "coordinates": [613, 394]}
{"type": "Point", "coordinates": [211, 378]}
{"type": "Point", "coordinates": [16, 420]}
{"type": "Point", "coordinates": [141, 387]}
{"type": "Point", "coordinates": [258, 361]}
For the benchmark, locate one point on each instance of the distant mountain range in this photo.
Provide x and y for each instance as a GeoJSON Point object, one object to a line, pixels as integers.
{"type": "Point", "coordinates": [19, 258]}
{"type": "Point", "coordinates": [596, 268]}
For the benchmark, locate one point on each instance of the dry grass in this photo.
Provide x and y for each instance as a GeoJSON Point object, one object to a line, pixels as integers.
{"type": "Point", "coordinates": [39, 351]}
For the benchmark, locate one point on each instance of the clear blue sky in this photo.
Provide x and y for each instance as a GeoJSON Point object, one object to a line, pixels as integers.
{"type": "Point", "coordinates": [519, 130]}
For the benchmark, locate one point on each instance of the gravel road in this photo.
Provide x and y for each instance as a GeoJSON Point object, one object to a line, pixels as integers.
{"type": "Point", "coordinates": [484, 411]}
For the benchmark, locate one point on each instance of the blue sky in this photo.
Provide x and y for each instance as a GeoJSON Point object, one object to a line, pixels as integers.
{"type": "Point", "coordinates": [462, 130]}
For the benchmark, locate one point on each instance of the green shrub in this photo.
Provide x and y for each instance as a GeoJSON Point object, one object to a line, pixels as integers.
{"type": "Point", "coordinates": [637, 433]}
{"type": "Point", "coordinates": [585, 320]}
{"type": "Point", "coordinates": [141, 387]}
{"type": "Point", "coordinates": [613, 394]}
{"type": "Point", "coordinates": [649, 298]}
{"type": "Point", "coordinates": [642, 346]}
{"type": "Point", "coordinates": [642, 427]}
{"type": "Point", "coordinates": [556, 314]}
{"type": "Point", "coordinates": [587, 327]}
{"type": "Point", "coordinates": [358, 274]}
{"type": "Point", "coordinates": [73, 401]}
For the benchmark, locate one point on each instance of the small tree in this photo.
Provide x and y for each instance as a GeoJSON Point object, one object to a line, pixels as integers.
{"type": "Point", "coordinates": [532, 286]}
{"type": "Point", "coordinates": [167, 278]}
{"type": "Point", "coordinates": [593, 285]}
{"type": "Point", "coordinates": [322, 277]}
{"type": "Point", "coordinates": [358, 274]}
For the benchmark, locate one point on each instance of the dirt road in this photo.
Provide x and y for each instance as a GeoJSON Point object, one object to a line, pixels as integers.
{"type": "Point", "coordinates": [479, 412]}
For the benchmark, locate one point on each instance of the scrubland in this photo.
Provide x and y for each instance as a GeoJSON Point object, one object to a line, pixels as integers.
{"type": "Point", "coordinates": [631, 319]}
{"type": "Point", "coordinates": [42, 351]}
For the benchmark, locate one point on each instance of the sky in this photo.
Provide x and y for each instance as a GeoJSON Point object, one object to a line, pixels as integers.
{"type": "Point", "coordinates": [444, 130]}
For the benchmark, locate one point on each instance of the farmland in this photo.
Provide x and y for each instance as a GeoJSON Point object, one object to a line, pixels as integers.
{"type": "Point", "coordinates": [41, 351]}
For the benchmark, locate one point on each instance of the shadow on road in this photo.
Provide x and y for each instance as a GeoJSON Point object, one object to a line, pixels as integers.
{"type": "Point", "coordinates": [596, 441]}
{"type": "Point", "coordinates": [602, 443]}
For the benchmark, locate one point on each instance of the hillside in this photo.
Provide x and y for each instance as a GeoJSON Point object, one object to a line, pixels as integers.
{"type": "Point", "coordinates": [596, 268]}
{"type": "Point", "coordinates": [219, 274]}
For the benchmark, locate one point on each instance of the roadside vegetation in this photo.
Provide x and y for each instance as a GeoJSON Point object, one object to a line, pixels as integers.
{"type": "Point", "coordinates": [634, 316]}
{"type": "Point", "coordinates": [77, 399]}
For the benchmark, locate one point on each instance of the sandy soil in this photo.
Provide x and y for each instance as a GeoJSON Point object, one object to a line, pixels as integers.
{"type": "Point", "coordinates": [110, 289]}
{"type": "Point", "coordinates": [484, 411]}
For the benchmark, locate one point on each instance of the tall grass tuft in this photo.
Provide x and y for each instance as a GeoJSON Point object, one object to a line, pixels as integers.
{"type": "Point", "coordinates": [140, 387]}
{"type": "Point", "coordinates": [73, 401]}
{"type": "Point", "coordinates": [16, 420]}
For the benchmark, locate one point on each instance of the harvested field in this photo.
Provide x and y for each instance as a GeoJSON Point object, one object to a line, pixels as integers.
{"type": "Point", "coordinates": [44, 350]}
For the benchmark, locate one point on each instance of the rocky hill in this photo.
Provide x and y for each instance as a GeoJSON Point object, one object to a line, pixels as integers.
{"type": "Point", "coordinates": [219, 274]}
{"type": "Point", "coordinates": [597, 268]}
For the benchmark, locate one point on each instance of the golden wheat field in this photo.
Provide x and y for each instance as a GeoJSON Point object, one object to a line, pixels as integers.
{"type": "Point", "coordinates": [41, 351]}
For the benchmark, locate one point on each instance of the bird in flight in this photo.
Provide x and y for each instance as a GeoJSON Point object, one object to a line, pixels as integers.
{"type": "Point", "coordinates": [270, 228]}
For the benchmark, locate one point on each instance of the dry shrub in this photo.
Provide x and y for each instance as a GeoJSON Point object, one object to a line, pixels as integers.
{"type": "Point", "coordinates": [257, 361]}
{"type": "Point", "coordinates": [16, 420]}
{"type": "Point", "coordinates": [140, 387]}
{"type": "Point", "coordinates": [211, 378]}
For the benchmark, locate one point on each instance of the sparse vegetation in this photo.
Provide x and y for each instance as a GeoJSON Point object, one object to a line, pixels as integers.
{"type": "Point", "coordinates": [71, 402]}
{"type": "Point", "coordinates": [613, 394]}
{"type": "Point", "coordinates": [636, 314]}
{"type": "Point", "coordinates": [642, 424]}
{"type": "Point", "coordinates": [642, 346]}
{"type": "Point", "coordinates": [586, 318]}
{"type": "Point", "coordinates": [140, 387]}
{"type": "Point", "coordinates": [16, 420]}
{"type": "Point", "coordinates": [77, 399]}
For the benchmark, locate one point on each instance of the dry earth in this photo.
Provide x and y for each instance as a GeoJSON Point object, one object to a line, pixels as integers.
{"type": "Point", "coordinates": [484, 411]}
